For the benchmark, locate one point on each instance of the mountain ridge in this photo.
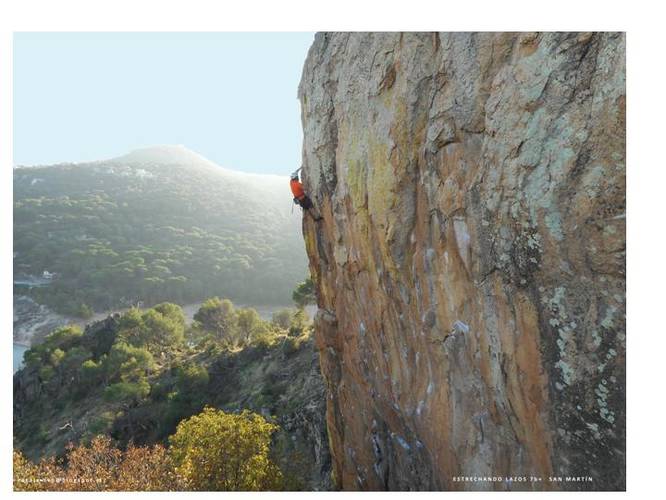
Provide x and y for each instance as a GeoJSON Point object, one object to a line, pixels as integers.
{"type": "Point", "coordinates": [168, 154]}
{"type": "Point", "coordinates": [151, 218]}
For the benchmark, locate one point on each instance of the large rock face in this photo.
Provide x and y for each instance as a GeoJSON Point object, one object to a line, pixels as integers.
{"type": "Point", "coordinates": [470, 264]}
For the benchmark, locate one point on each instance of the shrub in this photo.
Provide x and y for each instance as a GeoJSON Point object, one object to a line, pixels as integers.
{"type": "Point", "coordinates": [128, 362]}
{"type": "Point", "coordinates": [85, 311]}
{"type": "Point", "coordinates": [299, 323]}
{"type": "Point", "coordinates": [102, 423]}
{"type": "Point", "coordinates": [99, 467]}
{"type": "Point", "coordinates": [248, 323]}
{"type": "Point", "coordinates": [282, 318]}
{"type": "Point", "coordinates": [46, 373]}
{"type": "Point", "coordinates": [63, 337]}
{"type": "Point", "coordinates": [225, 452]}
{"type": "Point", "coordinates": [127, 391]}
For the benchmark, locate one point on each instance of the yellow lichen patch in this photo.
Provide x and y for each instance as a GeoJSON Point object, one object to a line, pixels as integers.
{"type": "Point", "coordinates": [356, 181]}
{"type": "Point", "coordinates": [310, 240]}
{"type": "Point", "coordinates": [381, 182]}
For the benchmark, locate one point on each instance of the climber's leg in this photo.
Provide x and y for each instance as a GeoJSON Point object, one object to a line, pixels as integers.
{"type": "Point", "coordinates": [306, 203]}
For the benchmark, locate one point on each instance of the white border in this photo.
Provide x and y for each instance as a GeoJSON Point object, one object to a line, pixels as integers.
{"type": "Point", "coordinates": [645, 83]}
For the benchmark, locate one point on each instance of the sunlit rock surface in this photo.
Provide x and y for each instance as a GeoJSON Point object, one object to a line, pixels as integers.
{"type": "Point", "coordinates": [470, 264]}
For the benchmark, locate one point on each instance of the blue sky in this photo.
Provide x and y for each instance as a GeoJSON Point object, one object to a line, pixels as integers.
{"type": "Point", "coordinates": [90, 96]}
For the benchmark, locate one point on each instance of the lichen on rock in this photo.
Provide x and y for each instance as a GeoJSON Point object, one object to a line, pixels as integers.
{"type": "Point", "coordinates": [470, 264]}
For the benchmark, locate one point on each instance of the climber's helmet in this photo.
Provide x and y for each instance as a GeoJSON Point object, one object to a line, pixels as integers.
{"type": "Point", "coordinates": [294, 175]}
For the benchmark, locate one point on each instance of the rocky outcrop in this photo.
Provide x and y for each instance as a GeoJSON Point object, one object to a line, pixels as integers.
{"type": "Point", "coordinates": [470, 264]}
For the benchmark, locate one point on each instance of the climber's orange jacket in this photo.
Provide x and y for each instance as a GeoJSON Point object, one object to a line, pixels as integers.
{"type": "Point", "coordinates": [297, 189]}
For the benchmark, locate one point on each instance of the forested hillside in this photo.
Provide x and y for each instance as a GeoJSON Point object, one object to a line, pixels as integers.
{"type": "Point", "coordinates": [132, 379]}
{"type": "Point", "coordinates": [157, 224]}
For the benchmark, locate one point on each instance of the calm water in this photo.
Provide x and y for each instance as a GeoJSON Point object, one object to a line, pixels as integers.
{"type": "Point", "coordinates": [18, 355]}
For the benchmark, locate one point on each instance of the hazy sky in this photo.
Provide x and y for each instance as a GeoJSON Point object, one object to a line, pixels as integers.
{"type": "Point", "coordinates": [90, 96]}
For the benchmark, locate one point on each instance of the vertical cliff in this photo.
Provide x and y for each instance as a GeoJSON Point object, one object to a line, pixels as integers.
{"type": "Point", "coordinates": [470, 264]}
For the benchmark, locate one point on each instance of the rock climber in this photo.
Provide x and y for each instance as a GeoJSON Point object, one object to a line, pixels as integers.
{"type": "Point", "coordinates": [300, 198]}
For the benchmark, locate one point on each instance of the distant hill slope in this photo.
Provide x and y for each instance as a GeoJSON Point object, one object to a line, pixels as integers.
{"type": "Point", "coordinates": [160, 223]}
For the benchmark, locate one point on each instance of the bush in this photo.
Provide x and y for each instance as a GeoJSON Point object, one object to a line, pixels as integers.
{"type": "Point", "coordinates": [299, 323]}
{"type": "Point", "coordinates": [62, 338]}
{"type": "Point", "coordinates": [221, 451]}
{"type": "Point", "coordinates": [102, 424]}
{"type": "Point", "coordinates": [282, 318]}
{"type": "Point", "coordinates": [56, 357]}
{"type": "Point", "coordinates": [192, 378]}
{"type": "Point", "coordinates": [122, 392]}
{"type": "Point", "coordinates": [91, 371]}
{"type": "Point", "coordinates": [85, 311]}
{"type": "Point", "coordinates": [128, 362]}
{"type": "Point", "coordinates": [248, 323]}
{"type": "Point", "coordinates": [294, 344]}
{"type": "Point", "coordinates": [46, 373]}
{"type": "Point", "coordinates": [265, 340]}
{"type": "Point", "coordinates": [99, 467]}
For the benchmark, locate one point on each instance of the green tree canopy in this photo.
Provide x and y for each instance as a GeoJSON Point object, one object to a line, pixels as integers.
{"type": "Point", "coordinates": [158, 328]}
{"type": "Point", "coordinates": [304, 293]}
{"type": "Point", "coordinates": [129, 362]}
{"type": "Point", "coordinates": [218, 317]}
{"type": "Point", "coordinates": [248, 323]}
{"type": "Point", "coordinates": [299, 322]}
{"type": "Point", "coordinates": [129, 367]}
